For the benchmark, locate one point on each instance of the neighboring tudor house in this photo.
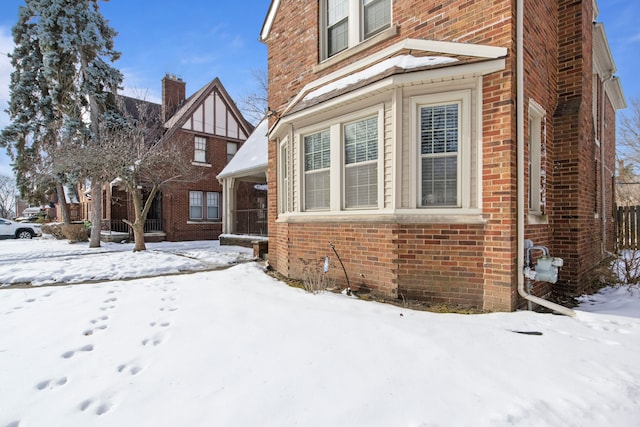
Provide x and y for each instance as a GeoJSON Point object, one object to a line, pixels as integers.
{"type": "Point", "coordinates": [216, 128]}
{"type": "Point", "coordinates": [429, 141]}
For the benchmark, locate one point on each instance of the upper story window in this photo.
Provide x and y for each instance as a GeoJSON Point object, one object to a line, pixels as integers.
{"type": "Point", "coordinates": [200, 149]}
{"type": "Point", "coordinates": [232, 149]}
{"type": "Point", "coordinates": [346, 23]}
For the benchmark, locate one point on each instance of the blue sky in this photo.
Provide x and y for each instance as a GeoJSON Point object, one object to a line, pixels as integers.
{"type": "Point", "coordinates": [199, 40]}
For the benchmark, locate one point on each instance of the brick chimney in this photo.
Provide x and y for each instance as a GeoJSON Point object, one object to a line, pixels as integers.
{"type": "Point", "coordinates": [173, 94]}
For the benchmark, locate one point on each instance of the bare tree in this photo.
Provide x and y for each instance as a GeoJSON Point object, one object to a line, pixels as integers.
{"type": "Point", "coordinates": [133, 151]}
{"type": "Point", "coordinates": [628, 144]}
{"type": "Point", "coordinates": [629, 135]}
{"type": "Point", "coordinates": [254, 106]}
{"type": "Point", "coordinates": [8, 192]}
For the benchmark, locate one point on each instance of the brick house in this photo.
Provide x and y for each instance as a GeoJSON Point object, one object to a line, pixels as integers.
{"type": "Point", "coordinates": [429, 141]}
{"type": "Point", "coordinates": [213, 128]}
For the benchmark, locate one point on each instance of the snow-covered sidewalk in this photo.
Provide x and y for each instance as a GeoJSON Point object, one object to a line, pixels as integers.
{"type": "Point", "coordinates": [237, 348]}
{"type": "Point", "coordinates": [48, 261]}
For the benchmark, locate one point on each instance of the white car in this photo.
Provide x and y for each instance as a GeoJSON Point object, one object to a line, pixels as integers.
{"type": "Point", "coordinates": [18, 230]}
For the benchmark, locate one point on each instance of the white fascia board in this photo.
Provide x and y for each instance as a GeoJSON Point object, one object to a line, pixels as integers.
{"type": "Point", "coordinates": [481, 51]}
{"type": "Point", "coordinates": [615, 93]}
{"type": "Point", "coordinates": [268, 21]}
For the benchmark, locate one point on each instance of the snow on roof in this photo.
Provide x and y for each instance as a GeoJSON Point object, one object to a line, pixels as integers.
{"type": "Point", "coordinates": [252, 156]}
{"type": "Point", "coordinates": [405, 62]}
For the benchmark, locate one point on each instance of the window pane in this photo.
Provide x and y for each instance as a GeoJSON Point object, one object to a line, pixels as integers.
{"type": "Point", "coordinates": [377, 16]}
{"type": "Point", "coordinates": [337, 26]}
{"type": "Point", "coordinates": [232, 149]}
{"type": "Point", "coordinates": [440, 181]}
{"type": "Point", "coordinates": [361, 189]}
{"type": "Point", "coordinates": [195, 205]}
{"type": "Point", "coordinates": [361, 141]}
{"type": "Point", "coordinates": [212, 206]}
{"type": "Point", "coordinates": [316, 151]}
{"type": "Point", "coordinates": [200, 149]}
{"type": "Point", "coordinates": [361, 167]}
{"type": "Point", "coordinates": [317, 159]}
{"type": "Point", "coordinates": [316, 192]}
{"type": "Point", "coordinates": [439, 129]}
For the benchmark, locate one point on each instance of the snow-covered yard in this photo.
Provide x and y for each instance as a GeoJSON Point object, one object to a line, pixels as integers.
{"type": "Point", "coordinates": [237, 348]}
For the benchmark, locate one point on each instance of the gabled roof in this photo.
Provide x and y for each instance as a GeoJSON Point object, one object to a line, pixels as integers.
{"type": "Point", "coordinates": [251, 158]}
{"type": "Point", "coordinates": [191, 104]}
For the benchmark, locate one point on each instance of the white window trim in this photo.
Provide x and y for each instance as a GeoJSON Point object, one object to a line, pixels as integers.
{"type": "Point", "coordinates": [336, 169]}
{"type": "Point", "coordinates": [204, 207]}
{"type": "Point", "coordinates": [355, 27]}
{"type": "Point", "coordinates": [284, 165]}
{"type": "Point", "coordinates": [191, 218]}
{"type": "Point", "coordinates": [196, 139]}
{"type": "Point", "coordinates": [537, 138]}
{"type": "Point", "coordinates": [463, 97]}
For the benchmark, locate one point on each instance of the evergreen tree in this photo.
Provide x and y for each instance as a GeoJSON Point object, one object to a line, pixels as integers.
{"type": "Point", "coordinates": [61, 87]}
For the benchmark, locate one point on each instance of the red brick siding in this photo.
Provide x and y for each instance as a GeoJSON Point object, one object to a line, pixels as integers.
{"type": "Point", "coordinates": [175, 197]}
{"type": "Point", "coordinates": [478, 265]}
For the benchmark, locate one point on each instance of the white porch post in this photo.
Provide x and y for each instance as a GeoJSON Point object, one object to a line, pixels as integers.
{"type": "Point", "coordinates": [229, 201]}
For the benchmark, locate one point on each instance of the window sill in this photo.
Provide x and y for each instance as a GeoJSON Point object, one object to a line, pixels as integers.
{"type": "Point", "coordinates": [204, 221]}
{"type": "Point", "coordinates": [360, 47]}
{"type": "Point", "coordinates": [536, 218]}
{"type": "Point", "coordinates": [408, 216]}
{"type": "Point", "coordinates": [206, 165]}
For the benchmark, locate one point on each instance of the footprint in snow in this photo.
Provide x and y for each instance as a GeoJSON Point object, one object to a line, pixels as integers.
{"type": "Point", "coordinates": [160, 324]}
{"type": "Point", "coordinates": [154, 341]}
{"type": "Point", "coordinates": [132, 369]}
{"type": "Point", "coordinates": [100, 408]}
{"type": "Point", "coordinates": [70, 354]}
{"type": "Point", "coordinates": [51, 384]}
{"type": "Point", "coordinates": [91, 331]}
{"type": "Point", "coordinates": [98, 319]}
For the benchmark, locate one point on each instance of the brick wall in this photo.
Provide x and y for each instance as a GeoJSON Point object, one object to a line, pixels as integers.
{"type": "Point", "coordinates": [469, 264]}
{"type": "Point", "coordinates": [175, 197]}
{"type": "Point", "coordinates": [576, 232]}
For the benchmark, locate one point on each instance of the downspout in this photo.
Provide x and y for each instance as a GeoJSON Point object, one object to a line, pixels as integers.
{"type": "Point", "coordinates": [520, 165]}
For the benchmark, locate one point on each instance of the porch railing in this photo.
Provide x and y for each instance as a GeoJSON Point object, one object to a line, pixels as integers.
{"type": "Point", "coordinates": [251, 221]}
{"type": "Point", "coordinates": [119, 226]}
